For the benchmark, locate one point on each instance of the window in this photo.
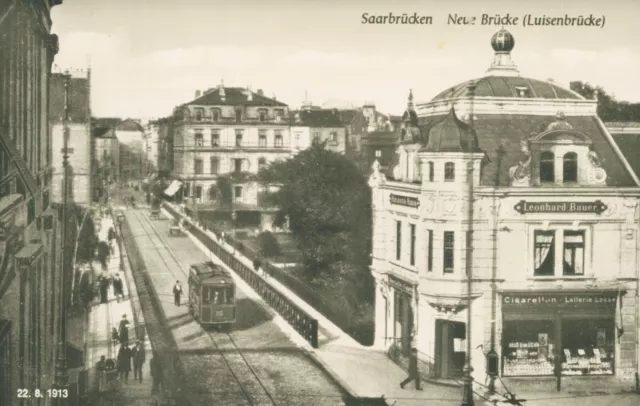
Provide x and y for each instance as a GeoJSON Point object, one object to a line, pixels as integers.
{"type": "Point", "coordinates": [429, 250]}
{"type": "Point", "coordinates": [449, 245]}
{"type": "Point", "coordinates": [262, 139]}
{"type": "Point", "coordinates": [199, 139]}
{"type": "Point", "coordinates": [237, 191]}
{"type": "Point", "coordinates": [238, 138]}
{"type": "Point", "coordinates": [544, 253]}
{"type": "Point", "coordinates": [263, 115]}
{"type": "Point", "coordinates": [215, 115]}
{"type": "Point", "coordinates": [573, 253]}
{"type": "Point", "coordinates": [238, 115]}
{"type": "Point", "coordinates": [333, 136]}
{"type": "Point", "coordinates": [278, 140]}
{"type": "Point", "coordinates": [412, 253]}
{"type": "Point", "coordinates": [378, 153]}
{"type": "Point", "coordinates": [214, 165]}
{"type": "Point", "coordinates": [431, 171]}
{"type": "Point", "coordinates": [199, 114]}
{"type": "Point", "coordinates": [198, 166]}
{"type": "Point", "coordinates": [279, 114]}
{"type": "Point", "coordinates": [449, 172]}
{"type": "Point", "coordinates": [398, 240]}
{"type": "Point", "coordinates": [262, 163]}
{"type": "Point", "coordinates": [215, 139]}
{"type": "Point", "coordinates": [547, 173]}
{"type": "Point", "coordinates": [237, 165]}
{"type": "Point", "coordinates": [570, 167]}
{"type": "Point", "coordinates": [198, 192]}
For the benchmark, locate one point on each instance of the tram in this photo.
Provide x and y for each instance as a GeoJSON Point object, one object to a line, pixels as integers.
{"type": "Point", "coordinates": [212, 295]}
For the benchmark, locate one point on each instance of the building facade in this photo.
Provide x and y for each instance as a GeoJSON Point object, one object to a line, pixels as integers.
{"type": "Point", "coordinates": [165, 146]}
{"type": "Point", "coordinates": [228, 131]}
{"type": "Point", "coordinates": [80, 150]}
{"type": "Point", "coordinates": [29, 229]}
{"type": "Point", "coordinates": [131, 139]}
{"type": "Point", "coordinates": [106, 162]}
{"type": "Point", "coordinates": [550, 243]}
{"type": "Point", "coordinates": [312, 125]}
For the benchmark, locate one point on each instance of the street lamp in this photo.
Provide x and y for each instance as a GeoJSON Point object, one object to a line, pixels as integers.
{"type": "Point", "coordinates": [234, 217]}
{"type": "Point", "coordinates": [61, 375]}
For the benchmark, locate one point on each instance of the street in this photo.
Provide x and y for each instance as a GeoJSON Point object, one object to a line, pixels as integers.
{"type": "Point", "coordinates": [256, 363]}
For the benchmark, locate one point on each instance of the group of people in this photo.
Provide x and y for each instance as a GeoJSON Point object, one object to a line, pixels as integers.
{"type": "Point", "coordinates": [104, 281]}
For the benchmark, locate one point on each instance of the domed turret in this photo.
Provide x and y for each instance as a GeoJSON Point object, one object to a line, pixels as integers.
{"type": "Point", "coordinates": [502, 41]}
{"type": "Point", "coordinates": [451, 135]}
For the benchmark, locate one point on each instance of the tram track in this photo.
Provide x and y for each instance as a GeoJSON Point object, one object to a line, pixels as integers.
{"type": "Point", "coordinates": [247, 386]}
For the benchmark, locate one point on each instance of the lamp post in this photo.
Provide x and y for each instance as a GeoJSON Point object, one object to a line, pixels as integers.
{"type": "Point", "coordinates": [467, 396]}
{"type": "Point", "coordinates": [234, 218]}
{"type": "Point", "coordinates": [61, 374]}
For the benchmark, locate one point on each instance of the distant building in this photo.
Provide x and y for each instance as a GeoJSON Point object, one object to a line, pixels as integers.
{"type": "Point", "coordinates": [79, 142]}
{"type": "Point", "coordinates": [311, 125]}
{"type": "Point", "coordinates": [106, 159]}
{"type": "Point", "coordinates": [164, 161]}
{"type": "Point", "coordinates": [232, 131]}
{"type": "Point", "coordinates": [152, 135]}
{"type": "Point", "coordinates": [130, 135]}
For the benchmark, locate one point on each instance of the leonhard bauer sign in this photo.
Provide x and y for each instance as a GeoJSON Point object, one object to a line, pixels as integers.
{"type": "Point", "coordinates": [524, 207]}
{"type": "Point", "coordinates": [404, 201]}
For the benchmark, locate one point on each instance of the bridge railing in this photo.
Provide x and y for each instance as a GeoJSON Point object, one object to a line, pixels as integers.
{"type": "Point", "coordinates": [300, 320]}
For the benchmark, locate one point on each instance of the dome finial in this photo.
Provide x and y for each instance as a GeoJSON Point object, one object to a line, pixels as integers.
{"type": "Point", "coordinates": [502, 43]}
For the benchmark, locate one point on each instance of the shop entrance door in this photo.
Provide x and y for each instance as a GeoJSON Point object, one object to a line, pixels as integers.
{"type": "Point", "coordinates": [403, 321]}
{"type": "Point", "coordinates": [449, 351]}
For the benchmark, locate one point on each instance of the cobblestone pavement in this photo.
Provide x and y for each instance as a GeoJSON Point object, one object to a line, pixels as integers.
{"type": "Point", "coordinates": [268, 367]}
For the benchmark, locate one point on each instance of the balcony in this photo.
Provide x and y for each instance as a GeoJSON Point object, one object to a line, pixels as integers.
{"type": "Point", "coordinates": [232, 146]}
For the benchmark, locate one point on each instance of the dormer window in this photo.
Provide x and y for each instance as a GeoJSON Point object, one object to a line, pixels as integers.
{"type": "Point", "coordinates": [449, 172]}
{"type": "Point", "coordinates": [238, 115]}
{"type": "Point", "coordinates": [279, 114]}
{"type": "Point", "coordinates": [431, 171]}
{"type": "Point", "coordinates": [523, 91]}
{"type": "Point", "coordinates": [215, 115]}
{"type": "Point", "coordinates": [199, 114]}
{"type": "Point", "coordinates": [570, 167]}
{"type": "Point", "coordinates": [547, 173]}
{"type": "Point", "coordinates": [263, 115]}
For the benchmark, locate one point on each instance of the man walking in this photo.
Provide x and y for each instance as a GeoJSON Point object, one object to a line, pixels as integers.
{"type": "Point", "coordinates": [124, 363]}
{"type": "Point", "coordinates": [156, 372]}
{"type": "Point", "coordinates": [123, 331]}
{"type": "Point", "coordinates": [413, 370]}
{"type": "Point", "coordinates": [177, 291]}
{"type": "Point", "coordinates": [138, 356]}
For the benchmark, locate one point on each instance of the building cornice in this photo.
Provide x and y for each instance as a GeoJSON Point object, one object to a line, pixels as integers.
{"type": "Point", "coordinates": [507, 105]}
{"type": "Point", "coordinates": [486, 191]}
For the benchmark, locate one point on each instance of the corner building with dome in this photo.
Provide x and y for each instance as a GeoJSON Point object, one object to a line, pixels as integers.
{"type": "Point", "coordinates": [554, 234]}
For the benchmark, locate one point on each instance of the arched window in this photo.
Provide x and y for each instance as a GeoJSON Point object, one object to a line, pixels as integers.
{"type": "Point", "coordinates": [547, 173]}
{"type": "Point", "coordinates": [431, 172]}
{"type": "Point", "coordinates": [570, 167]}
{"type": "Point", "coordinates": [449, 172]}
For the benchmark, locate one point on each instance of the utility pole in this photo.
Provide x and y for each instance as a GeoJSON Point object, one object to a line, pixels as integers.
{"type": "Point", "coordinates": [61, 374]}
{"type": "Point", "coordinates": [467, 396]}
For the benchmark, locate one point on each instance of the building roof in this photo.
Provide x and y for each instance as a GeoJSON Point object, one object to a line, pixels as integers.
{"type": "Point", "coordinates": [507, 86]}
{"type": "Point", "coordinates": [450, 135]}
{"type": "Point", "coordinates": [347, 116]}
{"type": "Point", "coordinates": [317, 118]}
{"type": "Point", "coordinates": [105, 122]}
{"type": "Point", "coordinates": [78, 99]}
{"type": "Point", "coordinates": [622, 124]}
{"type": "Point", "coordinates": [233, 96]}
{"type": "Point", "coordinates": [629, 144]}
{"type": "Point", "coordinates": [509, 130]}
{"type": "Point", "coordinates": [129, 125]}
{"type": "Point", "coordinates": [102, 132]}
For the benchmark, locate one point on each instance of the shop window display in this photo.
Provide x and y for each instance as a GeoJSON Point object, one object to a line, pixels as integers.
{"type": "Point", "coordinates": [588, 347]}
{"type": "Point", "coordinates": [528, 348]}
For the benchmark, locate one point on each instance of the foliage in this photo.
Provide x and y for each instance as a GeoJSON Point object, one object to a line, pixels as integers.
{"type": "Point", "coordinates": [609, 109]}
{"type": "Point", "coordinates": [328, 204]}
{"type": "Point", "coordinates": [225, 190]}
{"type": "Point", "coordinates": [268, 244]}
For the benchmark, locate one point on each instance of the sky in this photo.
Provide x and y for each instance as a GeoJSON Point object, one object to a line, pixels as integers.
{"type": "Point", "coordinates": [148, 56]}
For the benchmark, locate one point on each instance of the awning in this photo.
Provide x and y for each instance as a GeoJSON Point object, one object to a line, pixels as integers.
{"type": "Point", "coordinates": [173, 188]}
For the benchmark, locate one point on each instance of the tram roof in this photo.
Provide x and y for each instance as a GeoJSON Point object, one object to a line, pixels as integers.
{"type": "Point", "coordinates": [210, 273]}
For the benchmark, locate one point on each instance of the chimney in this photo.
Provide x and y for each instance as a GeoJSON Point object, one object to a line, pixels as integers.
{"type": "Point", "coordinates": [274, 97]}
{"type": "Point", "coordinates": [223, 96]}
{"type": "Point", "coordinates": [198, 93]}
{"type": "Point", "coordinates": [249, 94]}
{"type": "Point", "coordinates": [260, 92]}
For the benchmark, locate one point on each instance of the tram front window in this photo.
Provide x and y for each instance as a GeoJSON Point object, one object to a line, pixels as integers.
{"type": "Point", "coordinates": [219, 296]}
{"type": "Point", "coordinates": [228, 294]}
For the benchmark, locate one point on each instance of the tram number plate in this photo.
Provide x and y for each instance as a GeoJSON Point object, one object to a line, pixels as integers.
{"type": "Point", "coordinates": [219, 313]}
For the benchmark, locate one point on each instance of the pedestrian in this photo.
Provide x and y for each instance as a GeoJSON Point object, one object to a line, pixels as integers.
{"type": "Point", "coordinates": [103, 254]}
{"type": "Point", "coordinates": [123, 331]}
{"type": "Point", "coordinates": [156, 372]}
{"type": "Point", "coordinates": [177, 291]}
{"type": "Point", "coordinates": [124, 362]}
{"type": "Point", "coordinates": [413, 370]}
{"type": "Point", "coordinates": [104, 286]}
{"type": "Point", "coordinates": [100, 382]}
{"type": "Point", "coordinates": [138, 356]}
{"type": "Point", "coordinates": [118, 289]}
{"type": "Point", "coordinates": [115, 336]}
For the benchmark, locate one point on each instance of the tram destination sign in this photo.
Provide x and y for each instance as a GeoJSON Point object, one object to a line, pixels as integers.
{"type": "Point", "coordinates": [516, 300]}
{"type": "Point", "coordinates": [524, 207]}
{"type": "Point", "coordinates": [407, 201]}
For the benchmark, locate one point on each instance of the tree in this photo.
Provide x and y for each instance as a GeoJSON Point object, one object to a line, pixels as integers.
{"type": "Point", "coordinates": [268, 245]}
{"type": "Point", "coordinates": [328, 204]}
{"type": "Point", "coordinates": [609, 109]}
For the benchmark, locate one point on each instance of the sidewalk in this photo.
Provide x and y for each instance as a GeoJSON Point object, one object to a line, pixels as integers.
{"type": "Point", "coordinates": [103, 317]}
{"type": "Point", "coordinates": [368, 372]}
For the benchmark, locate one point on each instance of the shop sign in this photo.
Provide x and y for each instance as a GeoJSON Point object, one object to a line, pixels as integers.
{"type": "Point", "coordinates": [399, 284]}
{"type": "Point", "coordinates": [524, 207]}
{"type": "Point", "coordinates": [407, 201]}
{"type": "Point", "coordinates": [562, 300]}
